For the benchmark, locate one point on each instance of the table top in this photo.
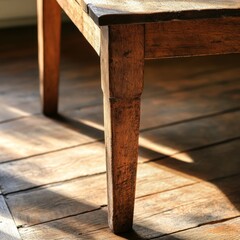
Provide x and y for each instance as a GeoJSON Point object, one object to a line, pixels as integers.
{"type": "Point", "coordinates": [107, 12]}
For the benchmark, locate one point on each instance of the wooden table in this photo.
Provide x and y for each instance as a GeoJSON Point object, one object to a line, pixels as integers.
{"type": "Point", "coordinates": [124, 34]}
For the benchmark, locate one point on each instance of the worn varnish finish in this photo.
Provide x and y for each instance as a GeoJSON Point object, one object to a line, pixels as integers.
{"type": "Point", "coordinates": [62, 189]}
{"type": "Point", "coordinates": [49, 27]}
{"type": "Point", "coordinates": [122, 84]}
{"type": "Point", "coordinates": [109, 12]}
{"type": "Point", "coordinates": [191, 38]}
{"type": "Point", "coordinates": [176, 204]}
{"type": "Point", "coordinates": [83, 22]}
{"type": "Point", "coordinates": [165, 212]}
{"type": "Point", "coordinates": [160, 29]}
{"type": "Point", "coordinates": [164, 175]}
{"type": "Point", "coordinates": [44, 165]}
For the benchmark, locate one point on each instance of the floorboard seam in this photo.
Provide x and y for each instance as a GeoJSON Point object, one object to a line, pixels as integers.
{"type": "Point", "coordinates": [199, 87]}
{"type": "Point", "coordinates": [49, 152]}
{"type": "Point", "coordinates": [198, 226]}
{"type": "Point", "coordinates": [35, 188]}
{"type": "Point", "coordinates": [236, 109]}
{"type": "Point", "coordinates": [45, 186]}
{"type": "Point", "coordinates": [169, 190]}
{"type": "Point", "coordinates": [53, 220]}
{"type": "Point", "coordinates": [104, 206]}
{"type": "Point", "coordinates": [194, 149]}
{"type": "Point", "coordinates": [9, 210]}
{"type": "Point", "coordinates": [144, 130]}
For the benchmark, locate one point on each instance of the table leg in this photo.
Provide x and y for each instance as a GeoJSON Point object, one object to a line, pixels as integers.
{"type": "Point", "coordinates": [49, 28]}
{"type": "Point", "coordinates": [122, 65]}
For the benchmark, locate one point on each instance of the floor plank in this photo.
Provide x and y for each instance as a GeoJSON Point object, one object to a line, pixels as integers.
{"type": "Point", "coordinates": [19, 65]}
{"type": "Point", "coordinates": [221, 231]}
{"type": "Point", "coordinates": [204, 101]}
{"type": "Point", "coordinates": [86, 125]}
{"type": "Point", "coordinates": [37, 135]}
{"type": "Point", "coordinates": [85, 194]}
{"type": "Point", "coordinates": [177, 211]}
{"type": "Point", "coordinates": [8, 229]}
{"type": "Point", "coordinates": [72, 197]}
{"type": "Point", "coordinates": [89, 159]}
{"type": "Point", "coordinates": [170, 140]}
{"type": "Point", "coordinates": [52, 171]}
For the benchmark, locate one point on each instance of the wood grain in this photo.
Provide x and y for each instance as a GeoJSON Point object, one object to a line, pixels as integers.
{"type": "Point", "coordinates": [49, 28]}
{"type": "Point", "coordinates": [83, 22]}
{"type": "Point", "coordinates": [89, 124]}
{"type": "Point", "coordinates": [195, 37]}
{"type": "Point", "coordinates": [109, 12]}
{"type": "Point", "coordinates": [170, 181]}
{"type": "Point", "coordinates": [8, 229]}
{"type": "Point", "coordinates": [88, 159]}
{"type": "Point", "coordinates": [19, 80]}
{"type": "Point", "coordinates": [151, 217]}
{"type": "Point", "coordinates": [84, 194]}
{"type": "Point", "coordinates": [89, 193]}
{"type": "Point", "coordinates": [18, 142]}
{"type": "Point", "coordinates": [204, 101]}
{"type": "Point", "coordinates": [122, 83]}
{"type": "Point", "coordinates": [222, 230]}
{"type": "Point", "coordinates": [80, 73]}
{"type": "Point", "coordinates": [170, 139]}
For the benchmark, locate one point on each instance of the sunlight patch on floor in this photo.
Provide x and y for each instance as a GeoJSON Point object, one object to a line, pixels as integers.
{"type": "Point", "coordinates": [165, 150]}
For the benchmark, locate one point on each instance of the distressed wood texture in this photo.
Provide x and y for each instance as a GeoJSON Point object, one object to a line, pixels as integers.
{"type": "Point", "coordinates": [228, 229]}
{"type": "Point", "coordinates": [152, 219]}
{"type": "Point", "coordinates": [212, 28]}
{"type": "Point", "coordinates": [49, 28]}
{"type": "Point", "coordinates": [107, 12]}
{"type": "Point", "coordinates": [83, 22]}
{"type": "Point", "coordinates": [193, 37]}
{"type": "Point", "coordinates": [122, 83]}
{"type": "Point", "coordinates": [53, 177]}
{"type": "Point", "coordinates": [80, 195]}
{"type": "Point", "coordinates": [79, 161]}
{"type": "Point", "coordinates": [8, 229]}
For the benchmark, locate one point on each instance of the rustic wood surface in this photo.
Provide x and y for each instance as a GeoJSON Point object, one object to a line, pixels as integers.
{"type": "Point", "coordinates": [83, 22]}
{"type": "Point", "coordinates": [49, 31]}
{"type": "Point", "coordinates": [229, 229]}
{"type": "Point", "coordinates": [151, 216]}
{"type": "Point", "coordinates": [223, 230]}
{"type": "Point", "coordinates": [8, 229]}
{"type": "Point", "coordinates": [52, 172]}
{"type": "Point", "coordinates": [107, 12]}
{"type": "Point", "coordinates": [193, 37]}
{"type": "Point", "coordinates": [122, 75]}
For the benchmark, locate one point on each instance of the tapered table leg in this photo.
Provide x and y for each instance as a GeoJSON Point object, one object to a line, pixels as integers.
{"type": "Point", "coordinates": [49, 28]}
{"type": "Point", "coordinates": [122, 64]}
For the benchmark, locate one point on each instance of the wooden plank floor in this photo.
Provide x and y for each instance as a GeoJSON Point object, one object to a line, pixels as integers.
{"type": "Point", "coordinates": [52, 171]}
